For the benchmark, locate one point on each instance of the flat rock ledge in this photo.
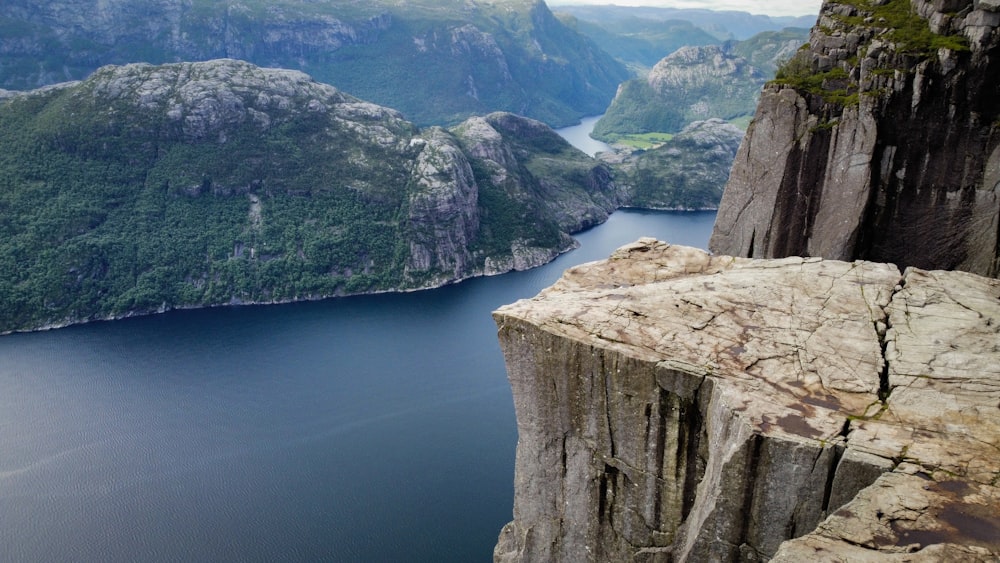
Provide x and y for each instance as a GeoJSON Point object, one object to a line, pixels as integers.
{"type": "Point", "coordinates": [678, 406]}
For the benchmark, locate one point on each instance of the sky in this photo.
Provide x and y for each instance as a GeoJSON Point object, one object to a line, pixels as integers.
{"type": "Point", "coordinates": [769, 7]}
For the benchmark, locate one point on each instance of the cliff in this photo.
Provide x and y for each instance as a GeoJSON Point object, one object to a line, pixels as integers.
{"type": "Point", "coordinates": [437, 61]}
{"type": "Point", "coordinates": [880, 141]}
{"type": "Point", "coordinates": [145, 188]}
{"type": "Point", "coordinates": [678, 406]}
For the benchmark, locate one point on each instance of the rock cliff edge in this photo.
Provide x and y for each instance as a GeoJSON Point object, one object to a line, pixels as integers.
{"type": "Point", "coordinates": [879, 140]}
{"type": "Point", "coordinates": [678, 406]}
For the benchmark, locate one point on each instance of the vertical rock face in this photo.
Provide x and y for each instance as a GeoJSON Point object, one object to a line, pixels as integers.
{"type": "Point", "coordinates": [879, 142]}
{"type": "Point", "coordinates": [677, 406]}
{"type": "Point", "coordinates": [443, 208]}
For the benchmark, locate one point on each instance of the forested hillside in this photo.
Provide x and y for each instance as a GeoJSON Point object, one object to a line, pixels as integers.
{"type": "Point", "coordinates": [151, 187]}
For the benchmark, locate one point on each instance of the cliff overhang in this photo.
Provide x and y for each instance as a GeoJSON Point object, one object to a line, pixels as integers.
{"type": "Point", "coordinates": [678, 406]}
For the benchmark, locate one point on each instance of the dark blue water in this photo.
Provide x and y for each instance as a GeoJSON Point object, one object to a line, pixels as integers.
{"type": "Point", "coordinates": [375, 428]}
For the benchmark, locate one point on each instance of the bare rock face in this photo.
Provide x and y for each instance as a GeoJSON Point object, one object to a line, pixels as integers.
{"type": "Point", "coordinates": [678, 406]}
{"type": "Point", "coordinates": [203, 100]}
{"type": "Point", "coordinates": [878, 142]}
{"type": "Point", "coordinates": [443, 208]}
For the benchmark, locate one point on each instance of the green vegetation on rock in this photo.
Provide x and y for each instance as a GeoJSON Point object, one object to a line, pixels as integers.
{"type": "Point", "coordinates": [146, 188]}
{"type": "Point", "coordinates": [892, 23]}
{"type": "Point", "coordinates": [904, 26]}
{"type": "Point", "coordinates": [687, 172]}
{"type": "Point", "coordinates": [832, 86]}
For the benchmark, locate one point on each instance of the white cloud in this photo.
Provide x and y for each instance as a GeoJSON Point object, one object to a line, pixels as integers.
{"type": "Point", "coordinates": [769, 7]}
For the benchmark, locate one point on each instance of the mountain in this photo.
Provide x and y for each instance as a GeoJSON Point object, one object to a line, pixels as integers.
{"type": "Point", "coordinates": [697, 83]}
{"type": "Point", "coordinates": [437, 61]}
{"type": "Point", "coordinates": [145, 188]}
{"type": "Point", "coordinates": [721, 24]}
{"type": "Point", "coordinates": [687, 172]}
{"type": "Point", "coordinates": [640, 42]}
{"type": "Point", "coordinates": [880, 141]}
{"type": "Point", "coordinates": [693, 83]}
{"type": "Point", "coordinates": [769, 49]}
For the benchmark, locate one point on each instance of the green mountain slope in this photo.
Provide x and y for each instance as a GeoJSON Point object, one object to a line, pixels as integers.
{"type": "Point", "coordinates": [437, 61]}
{"type": "Point", "coordinates": [767, 50]}
{"type": "Point", "coordinates": [145, 188]}
{"type": "Point", "coordinates": [693, 83]}
{"type": "Point", "coordinates": [698, 83]}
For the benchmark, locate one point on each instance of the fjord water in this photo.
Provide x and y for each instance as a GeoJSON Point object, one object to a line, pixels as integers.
{"type": "Point", "coordinates": [375, 428]}
{"type": "Point", "coordinates": [579, 136]}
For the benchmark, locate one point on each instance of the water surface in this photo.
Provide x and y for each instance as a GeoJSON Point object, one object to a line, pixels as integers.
{"type": "Point", "coordinates": [376, 428]}
{"type": "Point", "coordinates": [579, 136]}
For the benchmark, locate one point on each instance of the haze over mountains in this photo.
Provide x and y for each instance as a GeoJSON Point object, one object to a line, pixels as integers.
{"type": "Point", "coordinates": [437, 61]}
{"type": "Point", "coordinates": [722, 24]}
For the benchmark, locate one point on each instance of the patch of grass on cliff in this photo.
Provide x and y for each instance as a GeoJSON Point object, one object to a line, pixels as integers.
{"type": "Point", "coordinates": [906, 28]}
{"type": "Point", "coordinates": [833, 86]}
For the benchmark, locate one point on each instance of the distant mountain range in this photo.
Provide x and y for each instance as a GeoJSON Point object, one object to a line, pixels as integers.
{"type": "Point", "coordinates": [723, 25]}
{"type": "Point", "coordinates": [437, 61]}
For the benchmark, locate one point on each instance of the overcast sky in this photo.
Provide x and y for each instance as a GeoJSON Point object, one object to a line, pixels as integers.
{"type": "Point", "coordinates": [769, 7]}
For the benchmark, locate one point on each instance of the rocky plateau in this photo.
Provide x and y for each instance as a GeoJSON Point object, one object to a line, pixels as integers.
{"type": "Point", "coordinates": [674, 405]}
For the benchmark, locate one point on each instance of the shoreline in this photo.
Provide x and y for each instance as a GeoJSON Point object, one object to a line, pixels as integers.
{"type": "Point", "coordinates": [480, 273]}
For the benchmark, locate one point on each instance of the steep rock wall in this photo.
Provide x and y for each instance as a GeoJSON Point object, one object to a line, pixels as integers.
{"type": "Point", "coordinates": [879, 142]}
{"type": "Point", "coordinates": [677, 406]}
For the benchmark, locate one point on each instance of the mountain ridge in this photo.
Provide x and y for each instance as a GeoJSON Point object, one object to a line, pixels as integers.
{"type": "Point", "coordinates": [437, 63]}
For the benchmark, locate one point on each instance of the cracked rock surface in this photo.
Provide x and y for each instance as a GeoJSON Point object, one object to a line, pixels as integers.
{"type": "Point", "coordinates": [678, 406]}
